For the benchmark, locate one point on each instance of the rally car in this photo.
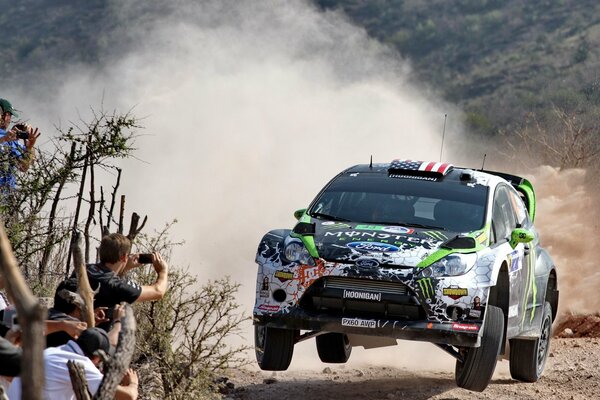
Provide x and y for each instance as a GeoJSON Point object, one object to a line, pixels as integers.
{"type": "Point", "coordinates": [411, 250]}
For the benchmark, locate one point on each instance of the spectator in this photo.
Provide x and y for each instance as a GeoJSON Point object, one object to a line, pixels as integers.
{"type": "Point", "coordinates": [10, 358]}
{"type": "Point", "coordinates": [115, 261]}
{"type": "Point", "coordinates": [66, 310]}
{"type": "Point", "coordinates": [14, 154]}
{"type": "Point", "coordinates": [89, 349]}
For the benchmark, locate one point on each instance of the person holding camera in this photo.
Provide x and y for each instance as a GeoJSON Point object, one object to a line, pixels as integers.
{"type": "Point", "coordinates": [108, 276]}
{"type": "Point", "coordinates": [14, 154]}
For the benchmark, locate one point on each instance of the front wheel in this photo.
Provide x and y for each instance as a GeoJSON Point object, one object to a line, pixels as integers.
{"type": "Point", "coordinates": [333, 348]}
{"type": "Point", "coordinates": [274, 347]}
{"type": "Point", "coordinates": [475, 372]}
{"type": "Point", "coordinates": [528, 357]}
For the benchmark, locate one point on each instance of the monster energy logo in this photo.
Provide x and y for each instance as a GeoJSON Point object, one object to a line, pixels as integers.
{"type": "Point", "coordinates": [426, 287]}
{"type": "Point", "coordinates": [436, 235]}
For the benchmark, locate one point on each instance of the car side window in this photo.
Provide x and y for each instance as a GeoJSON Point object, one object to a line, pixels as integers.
{"type": "Point", "coordinates": [519, 207]}
{"type": "Point", "coordinates": [503, 217]}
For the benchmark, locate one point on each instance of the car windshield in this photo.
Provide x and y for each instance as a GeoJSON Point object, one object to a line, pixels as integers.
{"type": "Point", "coordinates": [378, 199]}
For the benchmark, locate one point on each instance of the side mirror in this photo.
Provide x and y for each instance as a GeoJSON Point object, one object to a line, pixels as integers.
{"type": "Point", "coordinates": [520, 235]}
{"type": "Point", "coordinates": [298, 213]}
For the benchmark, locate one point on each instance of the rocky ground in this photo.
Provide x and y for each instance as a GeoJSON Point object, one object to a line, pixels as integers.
{"type": "Point", "coordinates": [572, 372]}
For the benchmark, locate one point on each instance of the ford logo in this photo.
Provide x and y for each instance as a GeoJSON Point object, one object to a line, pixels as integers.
{"type": "Point", "coordinates": [372, 247]}
{"type": "Point", "coordinates": [367, 263]}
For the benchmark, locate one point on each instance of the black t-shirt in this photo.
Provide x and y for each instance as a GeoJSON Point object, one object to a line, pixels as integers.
{"type": "Point", "coordinates": [58, 338]}
{"type": "Point", "coordinates": [113, 288]}
{"type": "Point", "coordinates": [10, 358]}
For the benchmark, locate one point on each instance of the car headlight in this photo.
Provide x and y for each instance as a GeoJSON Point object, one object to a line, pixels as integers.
{"type": "Point", "coordinates": [296, 252]}
{"type": "Point", "coordinates": [451, 265]}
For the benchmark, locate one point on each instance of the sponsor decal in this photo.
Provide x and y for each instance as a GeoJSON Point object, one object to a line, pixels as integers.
{"type": "Point", "coordinates": [265, 283]}
{"type": "Point", "coordinates": [376, 235]}
{"type": "Point", "coordinates": [309, 274]}
{"type": "Point", "coordinates": [264, 293]}
{"type": "Point", "coordinates": [373, 246]}
{"type": "Point", "coordinates": [514, 261]}
{"type": "Point", "coordinates": [465, 327]}
{"type": "Point", "coordinates": [284, 275]}
{"type": "Point", "coordinates": [269, 307]}
{"type": "Point", "coordinates": [476, 310]}
{"type": "Point", "coordinates": [426, 287]}
{"type": "Point", "coordinates": [354, 294]}
{"type": "Point", "coordinates": [328, 223]}
{"type": "Point", "coordinates": [420, 178]}
{"type": "Point", "coordinates": [389, 229]}
{"type": "Point", "coordinates": [361, 323]}
{"type": "Point", "coordinates": [367, 263]}
{"type": "Point", "coordinates": [398, 229]}
{"type": "Point", "coordinates": [455, 292]}
{"type": "Point", "coordinates": [436, 235]}
{"type": "Point", "coordinates": [429, 325]}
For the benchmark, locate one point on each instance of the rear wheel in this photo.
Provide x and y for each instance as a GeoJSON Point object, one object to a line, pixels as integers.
{"type": "Point", "coordinates": [528, 357]}
{"type": "Point", "coordinates": [479, 363]}
{"type": "Point", "coordinates": [274, 347]}
{"type": "Point", "coordinates": [333, 348]}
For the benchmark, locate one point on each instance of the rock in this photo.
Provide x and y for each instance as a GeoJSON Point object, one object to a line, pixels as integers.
{"type": "Point", "coordinates": [567, 332]}
{"type": "Point", "coordinates": [326, 370]}
{"type": "Point", "coordinates": [551, 355]}
{"type": "Point", "coordinates": [576, 344]}
{"type": "Point", "coordinates": [391, 396]}
{"type": "Point", "coordinates": [269, 381]}
{"type": "Point", "coordinates": [360, 373]}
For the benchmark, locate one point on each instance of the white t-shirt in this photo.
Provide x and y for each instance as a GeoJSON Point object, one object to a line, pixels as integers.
{"type": "Point", "coordinates": [58, 382]}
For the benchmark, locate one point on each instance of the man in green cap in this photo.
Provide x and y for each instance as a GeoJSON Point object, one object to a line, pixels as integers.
{"type": "Point", "coordinates": [14, 154]}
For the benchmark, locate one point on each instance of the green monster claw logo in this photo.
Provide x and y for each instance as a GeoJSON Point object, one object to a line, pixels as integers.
{"type": "Point", "coordinates": [426, 287]}
{"type": "Point", "coordinates": [436, 235]}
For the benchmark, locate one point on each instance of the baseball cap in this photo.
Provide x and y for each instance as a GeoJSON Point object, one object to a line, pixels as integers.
{"type": "Point", "coordinates": [93, 339]}
{"type": "Point", "coordinates": [7, 107]}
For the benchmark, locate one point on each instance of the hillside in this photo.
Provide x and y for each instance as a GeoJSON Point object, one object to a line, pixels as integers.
{"type": "Point", "coordinates": [499, 59]}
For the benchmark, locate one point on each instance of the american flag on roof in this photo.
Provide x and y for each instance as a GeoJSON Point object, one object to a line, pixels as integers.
{"type": "Point", "coordinates": [425, 166]}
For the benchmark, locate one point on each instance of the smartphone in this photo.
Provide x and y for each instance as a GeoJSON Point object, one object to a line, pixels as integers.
{"type": "Point", "coordinates": [108, 313]}
{"type": "Point", "coordinates": [146, 258]}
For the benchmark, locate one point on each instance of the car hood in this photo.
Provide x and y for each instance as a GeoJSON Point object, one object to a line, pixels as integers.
{"type": "Point", "coordinates": [377, 244]}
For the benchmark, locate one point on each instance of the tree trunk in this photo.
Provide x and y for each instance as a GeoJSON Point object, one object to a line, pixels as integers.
{"type": "Point", "coordinates": [31, 319]}
{"type": "Point", "coordinates": [118, 364]}
{"type": "Point", "coordinates": [79, 381]}
{"type": "Point", "coordinates": [83, 286]}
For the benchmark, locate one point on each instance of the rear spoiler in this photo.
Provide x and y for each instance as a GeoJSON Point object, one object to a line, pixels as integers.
{"type": "Point", "coordinates": [523, 186]}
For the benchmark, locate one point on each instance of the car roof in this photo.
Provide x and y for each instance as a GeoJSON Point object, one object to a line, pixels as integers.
{"type": "Point", "coordinates": [454, 174]}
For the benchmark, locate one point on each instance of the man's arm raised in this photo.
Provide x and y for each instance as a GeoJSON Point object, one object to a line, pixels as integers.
{"type": "Point", "coordinates": [157, 290]}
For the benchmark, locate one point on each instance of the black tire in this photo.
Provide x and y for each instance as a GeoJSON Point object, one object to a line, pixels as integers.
{"type": "Point", "coordinates": [528, 357]}
{"type": "Point", "coordinates": [333, 348]}
{"type": "Point", "coordinates": [274, 347]}
{"type": "Point", "coordinates": [475, 373]}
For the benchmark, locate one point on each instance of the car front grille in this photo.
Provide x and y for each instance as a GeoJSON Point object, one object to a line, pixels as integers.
{"type": "Point", "coordinates": [355, 297]}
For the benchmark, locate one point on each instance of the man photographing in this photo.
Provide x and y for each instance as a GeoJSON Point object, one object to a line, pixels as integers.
{"type": "Point", "coordinates": [14, 154]}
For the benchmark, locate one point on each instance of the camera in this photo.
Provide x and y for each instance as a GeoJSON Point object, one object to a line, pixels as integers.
{"type": "Point", "coordinates": [21, 131]}
{"type": "Point", "coordinates": [146, 258]}
{"type": "Point", "coordinates": [22, 135]}
{"type": "Point", "coordinates": [9, 319]}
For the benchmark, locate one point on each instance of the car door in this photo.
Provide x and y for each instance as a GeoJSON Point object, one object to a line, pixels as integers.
{"type": "Point", "coordinates": [504, 221]}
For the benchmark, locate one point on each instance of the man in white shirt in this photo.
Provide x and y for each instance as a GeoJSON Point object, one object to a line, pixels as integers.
{"type": "Point", "coordinates": [86, 350]}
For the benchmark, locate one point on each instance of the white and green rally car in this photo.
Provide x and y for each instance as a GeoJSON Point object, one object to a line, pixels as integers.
{"type": "Point", "coordinates": [411, 250]}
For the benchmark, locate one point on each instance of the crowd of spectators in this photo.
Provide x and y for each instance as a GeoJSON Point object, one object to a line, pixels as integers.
{"type": "Point", "coordinates": [68, 337]}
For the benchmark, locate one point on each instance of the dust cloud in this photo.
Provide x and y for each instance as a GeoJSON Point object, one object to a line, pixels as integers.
{"type": "Point", "coordinates": [249, 108]}
{"type": "Point", "coordinates": [568, 223]}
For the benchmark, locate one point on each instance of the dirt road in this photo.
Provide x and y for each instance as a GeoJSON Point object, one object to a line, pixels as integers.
{"type": "Point", "coordinates": [572, 372]}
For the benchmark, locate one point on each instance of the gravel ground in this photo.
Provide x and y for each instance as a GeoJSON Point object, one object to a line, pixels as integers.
{"type": "Point", "coordinates": [572, 372]}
